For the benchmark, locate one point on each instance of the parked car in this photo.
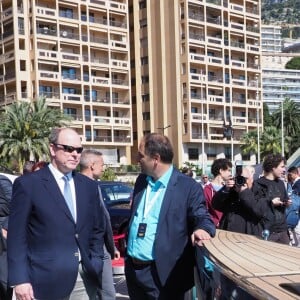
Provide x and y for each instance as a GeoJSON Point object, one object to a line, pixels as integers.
{"type": "Point", "coordinates": [117, 198]}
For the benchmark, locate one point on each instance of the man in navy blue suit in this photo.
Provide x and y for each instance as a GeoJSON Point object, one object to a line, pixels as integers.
{"type": "Point", "coordinates": [169, 216]}
{"type": "Point", "coordinates": [56, 226]}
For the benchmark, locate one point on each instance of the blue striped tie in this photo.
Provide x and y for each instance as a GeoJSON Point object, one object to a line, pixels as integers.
{"type": "Point", "coordinates": [68, 194]}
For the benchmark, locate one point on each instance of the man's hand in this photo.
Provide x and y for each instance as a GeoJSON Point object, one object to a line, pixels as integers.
{"type": "Point", "coordinates": [117, 255]}
{"type": "Point", "coordinates": [24, 291]}
{"type": "Point", "coordinates": [4, 233]}
{"type": "Point", "coordinates": [198, 236]}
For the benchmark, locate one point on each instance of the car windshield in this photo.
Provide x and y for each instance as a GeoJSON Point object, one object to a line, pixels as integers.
{"type": "Point", "coordinates": [115, 192]}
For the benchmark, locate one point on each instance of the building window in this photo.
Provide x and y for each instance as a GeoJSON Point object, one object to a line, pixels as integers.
{"type": "Point", "coordinates": [145, 79]}
{"type": "Point", "coordinates": [143, 23]}
{"type": "Point", "coordinates": [145, 97]}
{"type": "Point", "coordinates": [193, 153]}
{"type": "Point", "coordinates": [146, 116]}
{"type": "Point", "coordinates": [144, 60]}
{"type": "Point", "coordinates": [143, 4]}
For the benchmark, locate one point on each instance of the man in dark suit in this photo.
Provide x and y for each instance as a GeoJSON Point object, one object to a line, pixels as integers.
{"type": "Point", "coordinates": [55, 227]}
{"type": "Point", "coordinates": [169, 216]}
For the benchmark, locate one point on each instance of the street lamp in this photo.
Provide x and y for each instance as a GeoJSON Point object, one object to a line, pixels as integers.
{"type": "Point", "coordinates": [163, 128]}
{"type": "Point", "coordinates": [228, 133]}
{"type": "Point", "coordinates": [282, 125]}
{"type": "Point", "coordinates": [202, 120]}
{"type": "Point", "coordinates": [282, 129]}
{"type": "Point", "coordinates": [257, 120]}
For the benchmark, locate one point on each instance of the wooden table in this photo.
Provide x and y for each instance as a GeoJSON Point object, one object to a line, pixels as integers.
{"type": "Point", "coordinates": [258, 266]}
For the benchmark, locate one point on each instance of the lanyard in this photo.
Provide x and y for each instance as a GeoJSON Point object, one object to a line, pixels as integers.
{"type": "Point", "coordinates": [150, 202]}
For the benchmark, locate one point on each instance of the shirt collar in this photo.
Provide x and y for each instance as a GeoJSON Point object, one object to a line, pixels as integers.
{"type": "Point", "coordinates": [57, 174]}
{"type": "Point", "coordinates": [162, 181]}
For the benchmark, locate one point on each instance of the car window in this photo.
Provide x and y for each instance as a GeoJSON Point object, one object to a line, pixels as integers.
{"type": "Point", "coordinates": [116, 192]}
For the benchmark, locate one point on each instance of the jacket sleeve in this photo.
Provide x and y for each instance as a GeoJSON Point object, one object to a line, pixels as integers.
{"type": "Point", "coordinates": [222, 199]}
{"type": "Point", "coordinates": [198, 211]}
{"type": "Point", "coordinates": [5, 195]}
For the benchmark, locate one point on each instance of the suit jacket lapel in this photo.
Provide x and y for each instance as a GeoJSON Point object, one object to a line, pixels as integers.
{"type": "Point", "coordinates": [52, 187]}
{"type": "Point", "coordinates": [168, 198]}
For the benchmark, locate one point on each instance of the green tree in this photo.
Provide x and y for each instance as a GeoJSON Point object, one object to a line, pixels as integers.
{"type": "Point", "coordinates": [270, 141]}
{"type": "Point", "coordinates": [293, 64]}
{"type": "Point", "coordinates": [24, 130]}
{"type": "Point", "coordinates": [291, 123]}
{"type": "Point", "coordinates": [249, 142]}
{"type": "Point", "coordinates": [267, 117]}
{"type": "Point", "coordinates": [108, 175]}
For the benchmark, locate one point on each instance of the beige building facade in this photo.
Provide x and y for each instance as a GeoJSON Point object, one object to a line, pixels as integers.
{"type": "Point", "coordinates": [197, 74]}
{"type": "Point", "coordinates": [76, 55]}
{"type": "Point", "coordinates": [187, 68]}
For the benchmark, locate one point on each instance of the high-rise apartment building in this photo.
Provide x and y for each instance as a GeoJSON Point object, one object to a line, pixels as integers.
{"type": "Point", "coordinates": [197, 74]}
{"type": "Point", "coordinates": [76, 54]}
{"type": "Point", "coordinates": [271, 38]}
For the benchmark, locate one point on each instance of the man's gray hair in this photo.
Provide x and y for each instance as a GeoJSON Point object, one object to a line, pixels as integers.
{"type": "Point", "coordinates": [87, 156]}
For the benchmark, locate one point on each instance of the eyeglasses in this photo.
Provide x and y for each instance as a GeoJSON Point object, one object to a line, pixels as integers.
{"type": "Point", "coordinates": [69, 149]}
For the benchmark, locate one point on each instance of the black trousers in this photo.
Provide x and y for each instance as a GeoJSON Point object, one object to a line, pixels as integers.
{"type": "Point", "coordinates": [143, 283]}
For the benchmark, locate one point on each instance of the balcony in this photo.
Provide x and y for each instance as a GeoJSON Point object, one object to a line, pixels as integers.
{"type": "Point", "coordinates": [196, 36]}
{"type": "Point", "coordinates": [121, 121]}
{"type": "Point", "coordinates": [215, 99]}
{"type": "Point", "coordinates": [71, 97]}
{"type": "Point", "coordinates": [70, 56]}
{"type": "Point", "coordinates": [198, 117]}
{"type": "Point", "coordinates": [6, 14]}
{"type": "Point", "coordinates": [214, 59]}
{"type": "Point", "coordinates": [69, 35]}
{"type": "Point", "coordinates": [238, 63]}
{"type": "Point", "coordinates": [238, 8]}
{"type": "Point", "coordinates": [47, 54]}
{"type": "Point", "coordinates": [119, 63]}
{"type": "Point", "coordinates": [118, 6]}
{"type": "Point", "coordinates": [102, 120]}
{"type": "Point", "coordinates": [197, 77]}
{"type": "Point", "coordinates": [45, 12]}
{"type": "Point", "coordinates": [98, 40]}
{"type": "Point", "coordinates": [45, 74]}
{"type": "Point", "coordinates": [117, 81]}
{"type": "Point", "coordinates": [236, 120]}
{"type": "Point", "coordinates": [196, 16]}
{"type": "Point", "coordinates": [46, 31]}
{"type": "Point", "coordinates": [100, 80]}
{"type": "Point", "coordinates": [103, 138]}
{"type": "Point", "coordinates": [116, 23]}
{"type": "Point", "coordinates": [197, 57]}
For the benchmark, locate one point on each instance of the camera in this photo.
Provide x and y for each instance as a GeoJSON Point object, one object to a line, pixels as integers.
{"type": "Point", "coordinates": [239, 179]}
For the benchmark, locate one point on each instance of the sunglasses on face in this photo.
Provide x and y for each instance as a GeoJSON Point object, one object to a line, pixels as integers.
{"type": "Point", "coordinates": [68, 148]}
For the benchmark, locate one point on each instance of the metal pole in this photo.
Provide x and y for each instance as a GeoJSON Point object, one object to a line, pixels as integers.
{"type": "Point", "coordinates": [202, 126]}
{"type": "Point", "coordinates": [258, 127]}
{"type": "Point", "coordinates": [282, 129]}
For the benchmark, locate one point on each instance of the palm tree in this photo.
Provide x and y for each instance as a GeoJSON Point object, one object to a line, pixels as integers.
{"type": "Point", "coordinates": [249, 142]}
{"type": "Point", "coordinates": [270, 141]}
{"type": "Point", "coordinates": [291, 123]}
{"type": "Point", "coordinates": [24, 130]}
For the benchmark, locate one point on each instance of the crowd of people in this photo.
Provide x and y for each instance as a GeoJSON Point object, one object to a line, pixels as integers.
{"type": "Point", "coordinates": [56, 240]}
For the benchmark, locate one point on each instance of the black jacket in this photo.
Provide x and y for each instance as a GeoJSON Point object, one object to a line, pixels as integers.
{"type": "Point", "coordinates": [272, 217]}
{"type": "Point", "coordinates": [238, 209]}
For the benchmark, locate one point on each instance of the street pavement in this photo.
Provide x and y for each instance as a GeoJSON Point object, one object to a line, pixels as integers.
{"type": "Point", "coordinates": [121, 288]}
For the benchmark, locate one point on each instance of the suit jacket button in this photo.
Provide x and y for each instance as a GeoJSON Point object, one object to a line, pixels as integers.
{"type": "Point", "coordinates": [76, 235]}
{"type": "Point", "coordinates": [76, 254]}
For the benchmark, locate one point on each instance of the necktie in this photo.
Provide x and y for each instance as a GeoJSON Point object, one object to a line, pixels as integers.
{"type": "Point", "coordinates": [68, 194]}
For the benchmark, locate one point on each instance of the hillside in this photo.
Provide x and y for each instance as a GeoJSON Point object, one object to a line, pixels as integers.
{"type": "Point", "coordinates": [284, 12]}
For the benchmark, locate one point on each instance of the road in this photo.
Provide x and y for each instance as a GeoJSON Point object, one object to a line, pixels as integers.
{"type": "Point", "coordinates": [121, 289]}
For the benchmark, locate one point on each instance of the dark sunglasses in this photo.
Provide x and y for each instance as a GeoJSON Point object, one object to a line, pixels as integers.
{"type": "Point", "coordinates": [69, 149]}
